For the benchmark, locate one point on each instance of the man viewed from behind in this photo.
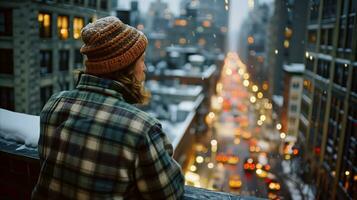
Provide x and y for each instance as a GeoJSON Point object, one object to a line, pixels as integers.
{"type": "Point", "coordinates": [94, 144]}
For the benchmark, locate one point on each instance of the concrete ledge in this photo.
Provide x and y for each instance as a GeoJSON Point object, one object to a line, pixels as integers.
{"type": "Point", "coordinates": [193, 193]}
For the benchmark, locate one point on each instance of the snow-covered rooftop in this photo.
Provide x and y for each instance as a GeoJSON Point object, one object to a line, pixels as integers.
{"type": "Point", "coordinates": [294, 68]}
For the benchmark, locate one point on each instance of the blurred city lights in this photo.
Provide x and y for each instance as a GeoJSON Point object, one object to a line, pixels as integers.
{"type": "Point", "coordinates": [193, 168]}
{"type": "Point", "coordinates": [210, 165]}
{"type": "Point", "coordinates": [262, 117]}
{"type": "Point", "coordinates": [214, 142]}
{"type": "Point", "coordinates": [246, 76]}
{"type": "Point", "coordinates": [240, 71]}
{"type": "Point", "coordinates": [211, 115]}
{"type": "Point", "coordinates": [282, 135]}
{"type": "Point", "coordinates": [276, 51]}
{"type": "Point", "coordinates": [347, 173]}
{"type": "Point", "coordinates": [253, 99]}
{"type": "Point", "coordinates": [246, 83]}
{"type": "Point", "coordinates": [199, 159]}
{"type": "Point", "coordinates": [236, 140]}
{"type": "Point", "coordinates": [278, 126]}
{"type": "Point", "coordinates": [260, 95]}
{"type": "Point", "coordinates": [260, 122]}
{"type": "Point", "coordinates": [255, 88]}
{"type": "Point", "coordinates": [228, 72]}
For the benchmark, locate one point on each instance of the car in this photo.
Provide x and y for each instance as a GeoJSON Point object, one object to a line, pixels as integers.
{"type": "Point", "coordinates": [233, 160]}
{"type": "Point", "coordinates": [235, 182]}
{"type": "Point", "coordinates": [274, 185]}
{"type": "Point", "coordinates": [249, 164]}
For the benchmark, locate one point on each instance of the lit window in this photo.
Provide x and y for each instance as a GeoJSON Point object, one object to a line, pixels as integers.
{"type": "Point", "coordinates": [286, 43]}
{"type": "Point", "coordinates": [62, 27]}
{"type": "Point", "coordinates": [78, 24]}
{"type": "Point", "coordinates": [202, 42]}
{"type": "Point", "coordinates": [181, 22]}
{"type": "Point", "coordinates": [44, 20]}
{"type": "Point", "coordinates": [206, 23]}
{"type": "Point", "coordinates": [250, 40]}
{"type": "Point", "coordinates": [182, 40]}
{"type": "Point", "coordinates": [288, 32]}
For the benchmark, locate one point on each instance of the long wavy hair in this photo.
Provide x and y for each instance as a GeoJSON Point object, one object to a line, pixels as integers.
{"type": "Point", "coordinates": [133, 90]}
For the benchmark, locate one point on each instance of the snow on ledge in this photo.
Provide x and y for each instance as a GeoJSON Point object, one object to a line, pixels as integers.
{"type": "Point", "coordinates": [22, 128]}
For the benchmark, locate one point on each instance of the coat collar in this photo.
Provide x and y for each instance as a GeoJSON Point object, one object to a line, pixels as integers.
{"type": "Point", "coordinates": [101, 85]}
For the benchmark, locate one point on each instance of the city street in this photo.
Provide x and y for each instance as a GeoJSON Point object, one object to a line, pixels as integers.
{"type": "Point", "coordinates": [238, 130]}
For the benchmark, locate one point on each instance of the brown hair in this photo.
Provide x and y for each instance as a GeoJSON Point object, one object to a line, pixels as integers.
{"type": "Point", "coordinates": [133, 90]}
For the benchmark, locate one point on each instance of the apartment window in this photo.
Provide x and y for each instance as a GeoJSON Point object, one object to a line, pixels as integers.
{"type": "Point", "coordinates": [310, 63]}
{"type": "Point", "coordinates": [303, 129]}
{"type": "Point", "coordinates": [292, 121]}
{"type": "Point", "coordinates": [293, 108]}
{"type": "Point", "coordinates": [353, 7]}
{"type": "Point", "coordinates": [312, 36]}
{"type": "Point", "coordinates": [46, 93]}
{"type": "Point", "coordinates": [63, 60]}
{"type": "Point", "coordinates": [349, 32]}
{"type": "Point", "coordinates": [78, 58]}
{"type": "Point", "coordinates": [104, 4]}
{"type": "Point", "coordinates": [307, 85]}
{"type": "Point", "coordinates": [296, 85]}
{"type": "Point", "coordinates": [341, 36]}
{"type": "Point", "coordinates": [92, 3]}
{"type": "Point", "coordinates": [304, 108]}
{"type": "Point", "coordinates": [6, 61]}
{"type": "Point", "coordinates": [323, 68]}
{"type": "Point", "coordinates": [354, 80]}
{"type": "Point", "coordinates": [45, 62]}
{"type": "Point", "coordinates": [44, 20]}
{"type": "Point", "coordinates": [329, 9]}
{"type": "Point", "coordinates": [329, 36]}
{"type": "Point", "coordinates": [314, 7]}
{"type": "Point", "coordinates": [63, 27]}
{"type": "Point", "coordinates": [341, 74]}
{"type": "Point", "coordinates": [79, 2]}
{"type": "Point", "coordinates": [7, 98]}
{"type": "Point", "coordinates": [323, 36]}
{"type": "Point", "coordinates": [5, 22]}
{"type": "Point", "coordinates": [348, 171]}
{"type": "Point", "coordinates": [78, 23]}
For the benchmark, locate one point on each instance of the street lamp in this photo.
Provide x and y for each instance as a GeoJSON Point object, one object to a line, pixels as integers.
{"type": "Point", "coordinates": [282, 135]}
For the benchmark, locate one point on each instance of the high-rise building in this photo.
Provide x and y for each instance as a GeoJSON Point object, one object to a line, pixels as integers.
{"type": "Point", "coordinates": [254, 39]}
{"type": "Point", "coordinates": [39, 48]}
{"type": "Point", "coordinates": [328, 120]}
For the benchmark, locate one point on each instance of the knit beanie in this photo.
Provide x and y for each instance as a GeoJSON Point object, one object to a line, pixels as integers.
{"type": "Point", "coordinates": [111, 45]}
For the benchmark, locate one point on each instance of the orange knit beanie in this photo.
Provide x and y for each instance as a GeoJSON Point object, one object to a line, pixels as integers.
{"type": "Point", "coordinates": [110, 45]}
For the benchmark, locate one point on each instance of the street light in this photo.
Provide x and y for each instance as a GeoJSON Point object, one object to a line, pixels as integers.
{"type": "Point", "coordinates": [255, 88]}
{"type": "Point", "coordinates": [282, 135]}
{"type": "Point", "coordinates": [246, 83]}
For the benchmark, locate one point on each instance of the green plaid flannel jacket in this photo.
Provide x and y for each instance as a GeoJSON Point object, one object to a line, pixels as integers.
{"type": "Point", "coordinates": [94, 145]}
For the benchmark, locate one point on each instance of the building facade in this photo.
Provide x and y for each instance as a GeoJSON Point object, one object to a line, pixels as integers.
{"type": "Point", "coordinates": [293, 82]}
{"type": "Point", "coordinates": [328, 119]}
{"type": "Point", "coordinates": [39, 48]}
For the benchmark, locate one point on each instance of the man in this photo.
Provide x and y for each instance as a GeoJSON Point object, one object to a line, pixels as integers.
{"type": "Point", "coordinates": [94, 144]}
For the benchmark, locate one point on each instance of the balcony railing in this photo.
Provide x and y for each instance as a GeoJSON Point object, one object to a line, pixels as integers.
{"type": "Point", "coordinates": [20, 167]}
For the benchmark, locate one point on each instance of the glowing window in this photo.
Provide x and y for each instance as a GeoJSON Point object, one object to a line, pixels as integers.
{"type": "Point", "coordinates": [62, 27]}
{"type": "Point", "coordinates": [44, 20]}
{"type": "Point", "coordinates": [78, 24]}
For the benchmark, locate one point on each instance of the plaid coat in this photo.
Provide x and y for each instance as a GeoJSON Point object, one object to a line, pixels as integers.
{"type": "Point", "coordinates": [94, 145]}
